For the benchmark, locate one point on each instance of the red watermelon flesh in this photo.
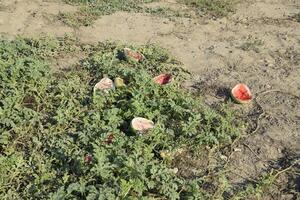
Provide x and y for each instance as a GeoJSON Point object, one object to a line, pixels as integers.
{"type": "Point", "coordinates": [133, 55]}
{"type": "Point", "coordinates": [241, 93]}
{"type": "Point", "coordinates": [163, 79]}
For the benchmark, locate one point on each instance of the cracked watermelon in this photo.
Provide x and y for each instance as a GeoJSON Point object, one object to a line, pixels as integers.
{"type": "Point", "coordinates": [141, 125]}
{"type": "Point", "coordinates": [163, 79]}
{"type": "Point", "coordinates": [105, 85]}
{"type": "Point", "coordinates": [241, 93]}
{"type": "Point", "coordinates": [133, 55]}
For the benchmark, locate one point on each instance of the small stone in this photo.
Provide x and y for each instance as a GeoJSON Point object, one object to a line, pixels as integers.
{"type": "Point", "coordinates": [174, 170]}
{"type": "Point", "coordinates": [223, 157]}
{"type": "Point", "coordinates": [279, 150]}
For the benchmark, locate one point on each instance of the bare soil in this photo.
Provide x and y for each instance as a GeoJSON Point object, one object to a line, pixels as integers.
{"type": "Point", "coordinates": [258, 45]}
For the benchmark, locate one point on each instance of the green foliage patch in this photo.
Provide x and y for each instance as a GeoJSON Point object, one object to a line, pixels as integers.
{"type": "Point", "coordinates": [54, 132]}
{"type": "Point", "coordinates": [296, 17]}
{"type": "Point", "coordinates": [252, 45]}
{"type": "Point", "coordinates": [90, 10]}
{"type": "Point", "coordinates": [216, 8]}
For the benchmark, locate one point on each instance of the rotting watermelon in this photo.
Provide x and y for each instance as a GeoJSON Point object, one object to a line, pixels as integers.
{"type": "Point", "coordinates": [104, 84]}
{"type": "Point", "coordinates": [133, 55]}
{"type": "Point", "coordinates": [241, 93]}
{"type": "Point", "coordinates": [163, 79]}
{"type": "Point", "coordinates": [141, 125]}
{"type": "Point", "coordinates": [88, 158]}
{"type": "Point", "coordinates": [119, 82]}
{"type": "Point", "coordinates": [110, 139]}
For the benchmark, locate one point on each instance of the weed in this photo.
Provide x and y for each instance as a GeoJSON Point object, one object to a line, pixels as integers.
{"type": "Point", "coordinates": [296, 17]}
{"type": "Point", "coordinates": [257, 189]}
{"type": "Point", "coordinates": [165, 12]}
{"type": "Point", "coordinates": [216, 8]}
{"type": "Point", "coordinates": [2, 7]}
{"type": "Point", "coordinates": [252, 45]}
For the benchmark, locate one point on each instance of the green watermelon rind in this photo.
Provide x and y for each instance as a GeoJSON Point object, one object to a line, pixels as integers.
{"type": "Point", "coordinates": [119, 82]}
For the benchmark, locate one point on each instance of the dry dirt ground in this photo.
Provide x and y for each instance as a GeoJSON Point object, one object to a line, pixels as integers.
{"type": "Point", "coordinates": [258, 45]}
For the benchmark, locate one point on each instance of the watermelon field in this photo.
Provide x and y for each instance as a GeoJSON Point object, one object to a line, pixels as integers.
{"type": "Point", "coordinates": [150, 99]}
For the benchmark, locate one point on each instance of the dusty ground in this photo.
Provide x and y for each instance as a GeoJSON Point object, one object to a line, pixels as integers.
{"type": "Point", "coordinates": [258, 45]}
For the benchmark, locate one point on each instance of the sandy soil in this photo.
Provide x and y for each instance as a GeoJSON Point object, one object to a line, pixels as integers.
{"type": "Point", "coordinates": [213, 49]}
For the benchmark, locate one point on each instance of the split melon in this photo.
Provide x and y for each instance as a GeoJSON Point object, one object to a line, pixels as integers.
{"type": "Point", "coordinates": [110, 139]}
{"type": "Point", "coordinates": [163, 79]}
{"type": "Point", "coordinates": [241, 93]}
{"type": "Point", "coordinates": [119, 82]}
{"type": "Point", "coordinates": [133, 55]}
{"type": "Point", "coordinates": [141, 125]}
{"type": "Point", "coordinates": [105, 85]}
{"type": "Point", "coordinates": [88, 158]}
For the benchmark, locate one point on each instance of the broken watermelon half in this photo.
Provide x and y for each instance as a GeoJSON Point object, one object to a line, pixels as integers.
{"type": "Point", "coordinates": [105, 85]}
{"type": "Point", "coordinates": [141, 125]}
{"type": "Point", "coordinates": [241, 93]}
{"type": "Point", "coordinates": [163, 79]}
{"type": "Point", "coordinates": [133, 55]}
